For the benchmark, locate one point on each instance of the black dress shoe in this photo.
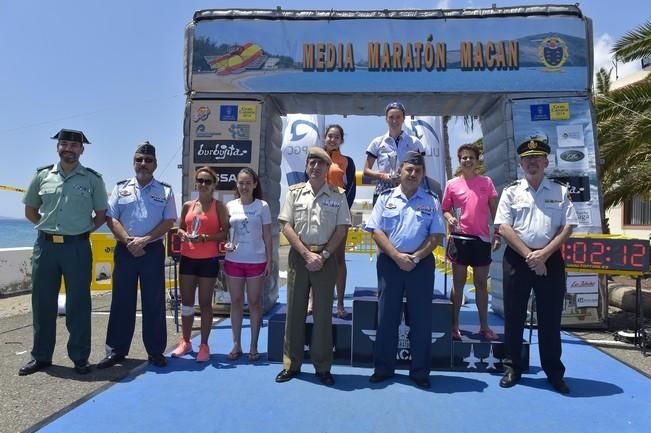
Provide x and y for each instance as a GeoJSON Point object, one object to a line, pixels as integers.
{"type": "Point", "coordinates": [82, 367]}
{"type": "Point", "coordinates": [33, 366]}
{"type": "Point", "coordinates": [422, 382]}
{"type": "Point", "coordinates": [510, 378]}
{"type": "Point", "coordinates": [158, 360]}
{"type": "Point", "coordinates": [377, 378]}
{"type": "Point", "coordinates": [559, 385]}
{"type": "Point", "coordinates": [110, 361]}
{"type": "Point", "coordinates": [286, 375]}
{"type": "Point", "coordinates": [326, 378]}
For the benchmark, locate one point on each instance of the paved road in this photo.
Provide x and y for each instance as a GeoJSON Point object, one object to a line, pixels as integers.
{"type": "Point", "coordinates": [28, 400]}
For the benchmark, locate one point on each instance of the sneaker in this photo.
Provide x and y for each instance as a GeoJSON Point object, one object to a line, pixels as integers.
{"type": "Point", "coordinates": [204, 353]}
{"type": "Point", "coordinates": [183, 348]}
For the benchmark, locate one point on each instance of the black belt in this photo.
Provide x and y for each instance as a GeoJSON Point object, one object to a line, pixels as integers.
{"type": "Point", "coordinates": [316, 248]}
{"type": "Point", "coordinates": [62, 239]}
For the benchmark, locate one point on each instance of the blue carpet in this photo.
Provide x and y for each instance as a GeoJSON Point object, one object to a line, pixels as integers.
{"type": "Point", "coordinates": [233, 397]}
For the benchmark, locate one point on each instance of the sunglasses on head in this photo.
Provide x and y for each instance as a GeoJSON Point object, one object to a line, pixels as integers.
{"type": "Point", "coordinates": [204, 181]}
{"type": "Point", "coordinates": [140, 159]}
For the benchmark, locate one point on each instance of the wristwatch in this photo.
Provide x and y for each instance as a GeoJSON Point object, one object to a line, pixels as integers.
{"type": "Point", "coordinates": [325, 254]}
{"type": "Point", "coordinates": [415, 260]}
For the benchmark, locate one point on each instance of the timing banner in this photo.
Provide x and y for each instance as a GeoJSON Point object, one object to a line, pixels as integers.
{"type": "Point", "coordinates": [488, 54]}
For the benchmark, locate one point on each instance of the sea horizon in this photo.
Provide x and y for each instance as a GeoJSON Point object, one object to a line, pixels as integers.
{"type": "Point", "coordinates": [20, 233]}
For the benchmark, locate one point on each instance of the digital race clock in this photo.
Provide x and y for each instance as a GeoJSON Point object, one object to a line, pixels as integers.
{"type": "Point", "coordinates": [608, 253]}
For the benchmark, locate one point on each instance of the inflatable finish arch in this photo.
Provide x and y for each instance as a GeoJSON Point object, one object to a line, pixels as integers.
{"type": "Point", "coordinates": [517, 68]}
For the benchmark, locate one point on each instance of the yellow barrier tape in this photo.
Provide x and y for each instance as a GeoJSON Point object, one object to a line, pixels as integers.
{"type": "Point", "coordinates": [11, 188]}
{"type": "Point", "coordinates": [16, 189]}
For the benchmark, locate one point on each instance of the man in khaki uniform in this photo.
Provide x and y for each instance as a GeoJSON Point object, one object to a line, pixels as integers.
{"type": "Point", "coordinates": [66, 201]}
{"type": "Point", "coordinates": [314, 219]}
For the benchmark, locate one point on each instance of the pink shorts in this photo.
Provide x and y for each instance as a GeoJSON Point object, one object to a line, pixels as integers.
{"type": "Point", "coordinates": [244, 270]}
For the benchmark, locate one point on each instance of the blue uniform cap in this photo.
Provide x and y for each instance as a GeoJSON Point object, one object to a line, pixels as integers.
{"type": "Point", "coordinates": [397, 105]}
{"type": "Point", "coordinates": [413, 157]}
{"type": "Point", "coordinates": [146, 148]}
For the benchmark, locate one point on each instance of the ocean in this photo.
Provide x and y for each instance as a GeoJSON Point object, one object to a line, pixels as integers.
{"type": "Point", "coordinates": [18, 232]}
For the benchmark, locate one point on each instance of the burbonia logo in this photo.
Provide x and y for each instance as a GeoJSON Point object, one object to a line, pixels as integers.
{"type": "Point", "coordinates": [572, 155]}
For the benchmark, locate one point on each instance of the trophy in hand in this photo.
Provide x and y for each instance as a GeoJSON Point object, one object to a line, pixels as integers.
{"type": "Point", "coordinates": [196, 223]}
{"type": "Point", "coordinates": [393, 165]}
{"type": "Point", "coordinates": [457, 217]}
{"type": "Point", "coordinates": [231, 245]}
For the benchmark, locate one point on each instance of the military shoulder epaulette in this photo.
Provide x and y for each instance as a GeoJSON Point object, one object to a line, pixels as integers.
{"type": "Point", "coordinates": [386, 191]}
{"type": "Point", "coordinates": [123, 181]}
{"type": "Point", "coordinates": [433, 194]}
{"type": "Point", "coordinates": [45, 167]}
{"type": "Point", "coordinates": [297, 186]}
{"type": "Point", "coordinates": [514, 183]}
{"type": "Point", "coordinates": [561, 183]}
{"type": "Point", "coordinates": [94, 172]}
{"type": "Point", "coordinates": [165, 184]}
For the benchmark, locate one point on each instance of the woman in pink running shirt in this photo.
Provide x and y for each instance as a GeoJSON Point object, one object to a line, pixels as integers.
{"type": "Point", "coordinates": [466, 204]}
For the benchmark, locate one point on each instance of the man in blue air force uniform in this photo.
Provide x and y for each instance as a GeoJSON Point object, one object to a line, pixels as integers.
{"type": "Point", "coordinates": [66, 201]}
{"type": "Point", "coordinates": [535, 216]}
{"type": "Point", "coordinates": [141, 210]}
{"type": "Point", "coordinates": [407, 225]}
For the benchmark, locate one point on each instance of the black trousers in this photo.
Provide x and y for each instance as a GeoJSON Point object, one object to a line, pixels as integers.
{"type": "Point", "coordinates": [518, 281]}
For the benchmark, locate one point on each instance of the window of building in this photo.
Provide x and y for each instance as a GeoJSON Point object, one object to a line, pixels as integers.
{"type": "Point", "coordinates": [637, 212]}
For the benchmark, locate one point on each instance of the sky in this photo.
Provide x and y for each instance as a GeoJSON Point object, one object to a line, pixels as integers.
{"type": "Point", "coordinates": [115, 70]}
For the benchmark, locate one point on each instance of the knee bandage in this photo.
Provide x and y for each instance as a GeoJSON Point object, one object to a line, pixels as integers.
{"type": "Point", "coordinates": [187, 310]}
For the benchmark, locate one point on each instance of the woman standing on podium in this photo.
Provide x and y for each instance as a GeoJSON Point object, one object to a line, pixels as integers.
{"type": "Point", "coordinates": [466, 204]}
{"type": "Point", "coordinates": [248, 258]}
{"type": "Point", "coordinates": [342, 174]}
{"type": "Point", "coordinates": [204, 223]}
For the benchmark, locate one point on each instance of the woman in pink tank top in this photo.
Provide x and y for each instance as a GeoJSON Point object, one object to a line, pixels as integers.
{"type": "Point", "coordinates": [204, 223]}
{"type": "Point", "coordinates": [467, 202]}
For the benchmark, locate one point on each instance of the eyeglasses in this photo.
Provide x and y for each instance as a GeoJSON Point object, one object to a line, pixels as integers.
{"type": "Point", "coordinates": [204, 181]}
{"type": "Point", "coordinates": [140, 159]}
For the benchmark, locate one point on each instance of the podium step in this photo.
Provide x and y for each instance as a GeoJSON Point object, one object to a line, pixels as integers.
{"type": "Point", "coordinates": [365, 306]}
{"type": "Point", "coordinates": [354, 337]}
{"type": "Point", "coordinates": [476, 355]}
{"type": "Point", "coordinates": [341, 336]}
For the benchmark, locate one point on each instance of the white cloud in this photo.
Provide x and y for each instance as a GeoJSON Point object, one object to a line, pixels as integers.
{"type": "Point", "coordinates": [442, 4]}
{"type": "Point", "coordinates": [603, 58]}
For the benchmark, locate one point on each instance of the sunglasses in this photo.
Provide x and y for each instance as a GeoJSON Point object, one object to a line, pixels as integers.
{"type": "Point", "coordinates": [204, 181]}
{"type": "Point", "coordinates": [140, 159]}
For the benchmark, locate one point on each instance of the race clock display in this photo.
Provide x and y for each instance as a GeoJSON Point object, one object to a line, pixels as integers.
{"type": "Point", "coordinates": [607, 253]}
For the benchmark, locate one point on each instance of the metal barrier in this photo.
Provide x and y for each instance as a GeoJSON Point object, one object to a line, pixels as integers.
{"type": "Point", "coordinates": [103, 246]}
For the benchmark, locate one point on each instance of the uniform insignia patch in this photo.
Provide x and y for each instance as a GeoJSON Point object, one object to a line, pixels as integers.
{"type": "Point", "coordinates": [158, 198]}
{"type": "Point", "coordinates": [125, 193]}
{"type": "Point", "coordinates": [390, 205]}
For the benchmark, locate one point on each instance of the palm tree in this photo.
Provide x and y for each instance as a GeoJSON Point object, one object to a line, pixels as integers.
{"type": "Point", "coordinates": [624, 125]}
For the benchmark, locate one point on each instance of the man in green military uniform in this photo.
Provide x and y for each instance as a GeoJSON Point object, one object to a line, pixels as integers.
{"type": "Point", "coordinates": [66, 201]}
{"type": "Point", "coordinates": [314, 219]}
